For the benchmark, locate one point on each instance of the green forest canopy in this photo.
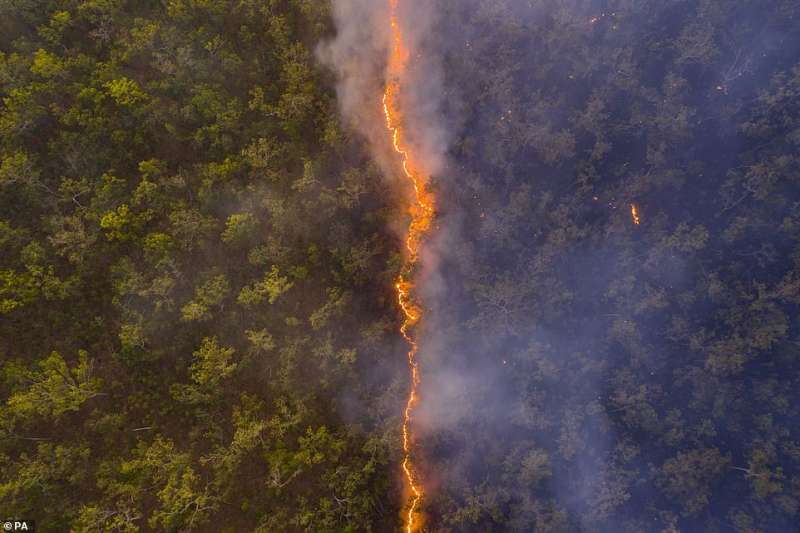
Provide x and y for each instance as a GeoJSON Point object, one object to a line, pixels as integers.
{"type": "Point", "coordinates": [194, 262]}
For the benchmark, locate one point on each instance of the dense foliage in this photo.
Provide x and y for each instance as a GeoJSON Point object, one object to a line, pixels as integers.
{"type": "Point", "coordinates": [194, 274]}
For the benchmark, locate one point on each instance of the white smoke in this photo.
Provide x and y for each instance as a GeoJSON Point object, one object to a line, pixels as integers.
{"type": "Point", "coordinates": [358, 56]}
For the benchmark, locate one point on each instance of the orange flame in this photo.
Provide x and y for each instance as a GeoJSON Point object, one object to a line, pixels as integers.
{"type": "Point", "coordinates": [422, 213]}
{"type": "Point", "coordinates": [635, 215]}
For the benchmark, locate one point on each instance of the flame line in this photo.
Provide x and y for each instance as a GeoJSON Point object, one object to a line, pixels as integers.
{"type": "Point", "coordinates": [422, 212]}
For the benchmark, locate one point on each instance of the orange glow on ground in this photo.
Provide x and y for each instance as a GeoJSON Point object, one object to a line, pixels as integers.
{"type": "Point", "coordinates": [637, 219]}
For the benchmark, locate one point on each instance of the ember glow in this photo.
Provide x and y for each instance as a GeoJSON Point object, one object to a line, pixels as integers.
{"type": "Point", "coordinates": [635, 215]}
{"type": "Point", "coordinates": [422, 213]}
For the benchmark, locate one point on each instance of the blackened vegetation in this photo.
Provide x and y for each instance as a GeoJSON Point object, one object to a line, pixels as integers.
{"type": "Point", "coordinates": [616, 377]}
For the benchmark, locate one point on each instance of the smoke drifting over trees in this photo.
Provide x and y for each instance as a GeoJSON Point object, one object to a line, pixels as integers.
{"type": "Point", "coordinates": [199, 230]}
{"type": "Point", "coordinates": [583, 372]}
{"type": "Point", "coordinates": [358, 56]}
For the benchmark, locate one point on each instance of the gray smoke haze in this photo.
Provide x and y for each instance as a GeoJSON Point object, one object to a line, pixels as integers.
{"type": "Point", "coordinates": [358, 55]}
{"type": "Point", "coordinates": [555, 396]}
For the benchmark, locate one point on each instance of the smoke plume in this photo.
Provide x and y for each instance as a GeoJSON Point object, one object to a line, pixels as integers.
{"type": "Point", "coordinates": [358, 56]}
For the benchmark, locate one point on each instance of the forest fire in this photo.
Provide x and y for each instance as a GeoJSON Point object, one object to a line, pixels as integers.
{"type": "Point", "coordinates": [422, 212]}
{"type": "Point", "coordinates": [637, 219]}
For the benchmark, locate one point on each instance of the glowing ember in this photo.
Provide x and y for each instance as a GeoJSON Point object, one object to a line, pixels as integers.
{"type": "Point", "coordinates": [422, 212]}
{"type": "Point", "coordinates": [635, 215]}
